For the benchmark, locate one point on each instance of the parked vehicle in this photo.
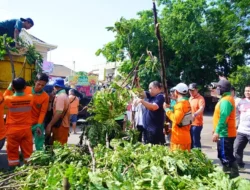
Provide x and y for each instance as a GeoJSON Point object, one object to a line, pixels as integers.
{"type": "Point", "coordinates": [84, 100]}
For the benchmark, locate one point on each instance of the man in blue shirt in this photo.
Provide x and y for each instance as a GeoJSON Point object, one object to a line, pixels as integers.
{"type": "Point", "coordinates": [153, 117]}
{"type": "Point", "coordinates": [13, 27]}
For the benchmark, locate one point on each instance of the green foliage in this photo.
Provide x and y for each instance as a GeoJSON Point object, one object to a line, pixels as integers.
{"type": "Point", "coordinates": [5, 43]}
{"type": "Point", "coordinates": [109, 103]}
{"type": "Point", "coordinates": [240, 78]}
{"type": "Point", "coordinates": [33, 57]}
{"type": "Point", "coordinates": [127, 166]}
{"type": "Point", "coordinates": [200, 38]}
{"type": "Point", "coordinates": [106, 105]}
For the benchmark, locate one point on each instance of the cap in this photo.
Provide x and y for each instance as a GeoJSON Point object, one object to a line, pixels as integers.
{"type": "Point", "coordinates": [192, 86]}
{"type": "Point", "coordinates": [28, 20]}
{"type": "Point", "coordinates": [225, 84]}
{"type": "Point", "coordinates": [59, 82]}
{"type": "Point", "coordinates": [172, 90]}
{"type": "Point", "coordinates": [181, 88]}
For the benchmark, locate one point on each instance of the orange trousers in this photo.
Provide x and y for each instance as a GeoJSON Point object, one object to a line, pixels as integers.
{"type": "Point", "coordinates": [60, 134]}
{"type": "Point", "coordinates": [20, 138]}
{"type": "Point", "coordinates": [180, 147]}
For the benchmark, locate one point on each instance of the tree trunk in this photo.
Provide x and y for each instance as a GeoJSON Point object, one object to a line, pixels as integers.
{"type": "Point", "coordinates": [161, 54]}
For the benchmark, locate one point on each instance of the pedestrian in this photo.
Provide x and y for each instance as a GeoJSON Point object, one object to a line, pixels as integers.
{"type": "Point", "coordinates": [153, 117]}
{"type": "Point", "coordinates": [243, 132]}
{"type": "Point", "coordinates": [74, 105]}
{"type": "Point", "coordinates": [137, 119]}
{"type": "Point", "coordinates": [18, 123]}
{"type": "Point", "coordinates": [237, 100]}
{"type": "Point", "coordinates": [59, 125]}
{"type": "Point", "coordinates": [2, 126]}
{"type": "Point", "coordinates": [13, 27]}
{"type": "Point", "coordinates": [224, 133]}
{"type": "Point", "coordinates": [169, 125]}
{"type": "Point", "coordinates": [181, 118]}
{"type": "Point", "coordinates": [197, 103]}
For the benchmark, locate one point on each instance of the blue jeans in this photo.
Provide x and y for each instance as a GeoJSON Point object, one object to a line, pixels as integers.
{"type": "Point", "coordinates": [196, 136]}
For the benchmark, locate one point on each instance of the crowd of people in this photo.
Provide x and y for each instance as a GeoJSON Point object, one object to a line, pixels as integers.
{"type": "Point", "coordinates": [33, 114]}
{"type": "Point", "coordinates": [183, 117]}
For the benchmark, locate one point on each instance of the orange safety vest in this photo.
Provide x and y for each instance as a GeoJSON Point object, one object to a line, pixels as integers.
{"type": "Point", "coordinates": [231, 119]}
{"type": "Point", "coordinates": [180, 135]}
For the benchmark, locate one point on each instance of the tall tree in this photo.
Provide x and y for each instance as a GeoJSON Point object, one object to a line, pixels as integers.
{"type": "Point", "coordinates": [200, 39]}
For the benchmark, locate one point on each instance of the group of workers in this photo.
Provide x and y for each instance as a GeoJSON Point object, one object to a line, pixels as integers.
{"type": "Point", "coordinates": [26, 111]}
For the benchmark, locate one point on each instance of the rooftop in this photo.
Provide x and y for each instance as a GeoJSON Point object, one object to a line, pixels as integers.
{"type": "Point", "coordinates": [61, 71]}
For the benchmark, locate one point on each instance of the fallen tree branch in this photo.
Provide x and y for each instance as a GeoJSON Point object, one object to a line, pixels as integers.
{"type": "Point", "coordinates": [11, 176]}
{"type": "Point", "coordinates": [92, 156]}
{"type": "Point", "coordinates": [132, 72]}
{"type": "Point", "coordinates": [11, 60]}
{"type": "Point", "coordinates": [66, 185]}
{"type": "Point", "coordinates": [24, 63]}
{"type": "Point", "coordinates": [126, 169]}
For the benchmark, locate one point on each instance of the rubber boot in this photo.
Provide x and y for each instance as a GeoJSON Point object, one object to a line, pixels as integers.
{"type": "Point", "coordinates": [2, 141]}
{"type": "Point", "coordinates": [226, 169]}
{"type": "Point", "coordinates": [234, 170]}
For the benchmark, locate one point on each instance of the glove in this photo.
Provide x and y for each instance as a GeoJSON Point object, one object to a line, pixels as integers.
{"type": "Point", "coordinates": [34, 127]}
{"type": "Point", "coordinates": [10, 87]}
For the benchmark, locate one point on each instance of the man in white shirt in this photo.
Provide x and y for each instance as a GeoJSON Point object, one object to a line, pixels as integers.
{"type": "Point", "coordinates": [237, 101]}
{"type": "Point", "coordinates": [137, 119]}
{"type": "Point", "coordinates": [243, 132]}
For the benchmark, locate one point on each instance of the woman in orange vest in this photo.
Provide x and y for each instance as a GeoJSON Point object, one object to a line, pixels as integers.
{"type": "Point", "coordinates": [181, 118]}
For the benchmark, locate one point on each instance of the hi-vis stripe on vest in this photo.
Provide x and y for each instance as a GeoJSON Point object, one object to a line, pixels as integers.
{"type": "Point", "coordinates": [21, 109]}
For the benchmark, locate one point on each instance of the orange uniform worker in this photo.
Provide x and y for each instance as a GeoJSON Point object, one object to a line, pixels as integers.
{"type": "Point", "coordinates": [18, 123]}
{"type": "Point", "coordinates": [2, 126]}
{"type": "Point", "coordinates": [39, 108]}
{"type": "Point", "coordinates": [181, 118]}
{"type": "Point", "coordinates": [61, 110]}
{"type": "Point", "coordinates": [197, 103]}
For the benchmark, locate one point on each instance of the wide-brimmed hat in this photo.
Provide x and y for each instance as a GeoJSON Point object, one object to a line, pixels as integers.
{"type": "Point", "coordinates": [59, 83]}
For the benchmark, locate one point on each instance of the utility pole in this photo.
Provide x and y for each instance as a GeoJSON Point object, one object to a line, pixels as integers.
{"type": "Point", "coordinates": [73, 69]}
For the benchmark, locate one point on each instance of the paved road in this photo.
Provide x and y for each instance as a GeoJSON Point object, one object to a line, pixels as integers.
{"type": "Point", "coordinates": [207, 146]}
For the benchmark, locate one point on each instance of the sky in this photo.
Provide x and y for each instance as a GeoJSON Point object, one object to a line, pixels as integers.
{"type": "Point", "coordinates": [77, 27]}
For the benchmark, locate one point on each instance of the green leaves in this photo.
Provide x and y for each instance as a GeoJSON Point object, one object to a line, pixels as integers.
{"type": "Point", "coordinates": [240, 79]}
{"type": "Point", "coordinates": [127, 167]}
{"type": "Point", "coordinates": [198, 36]}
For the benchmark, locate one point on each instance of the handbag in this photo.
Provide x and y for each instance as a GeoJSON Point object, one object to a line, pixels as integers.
{"type": "Point", "coordinates": [186, 120]}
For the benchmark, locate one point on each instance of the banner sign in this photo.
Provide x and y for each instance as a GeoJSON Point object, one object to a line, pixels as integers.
{"type": "Point", "coordinates": [48, 67]}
